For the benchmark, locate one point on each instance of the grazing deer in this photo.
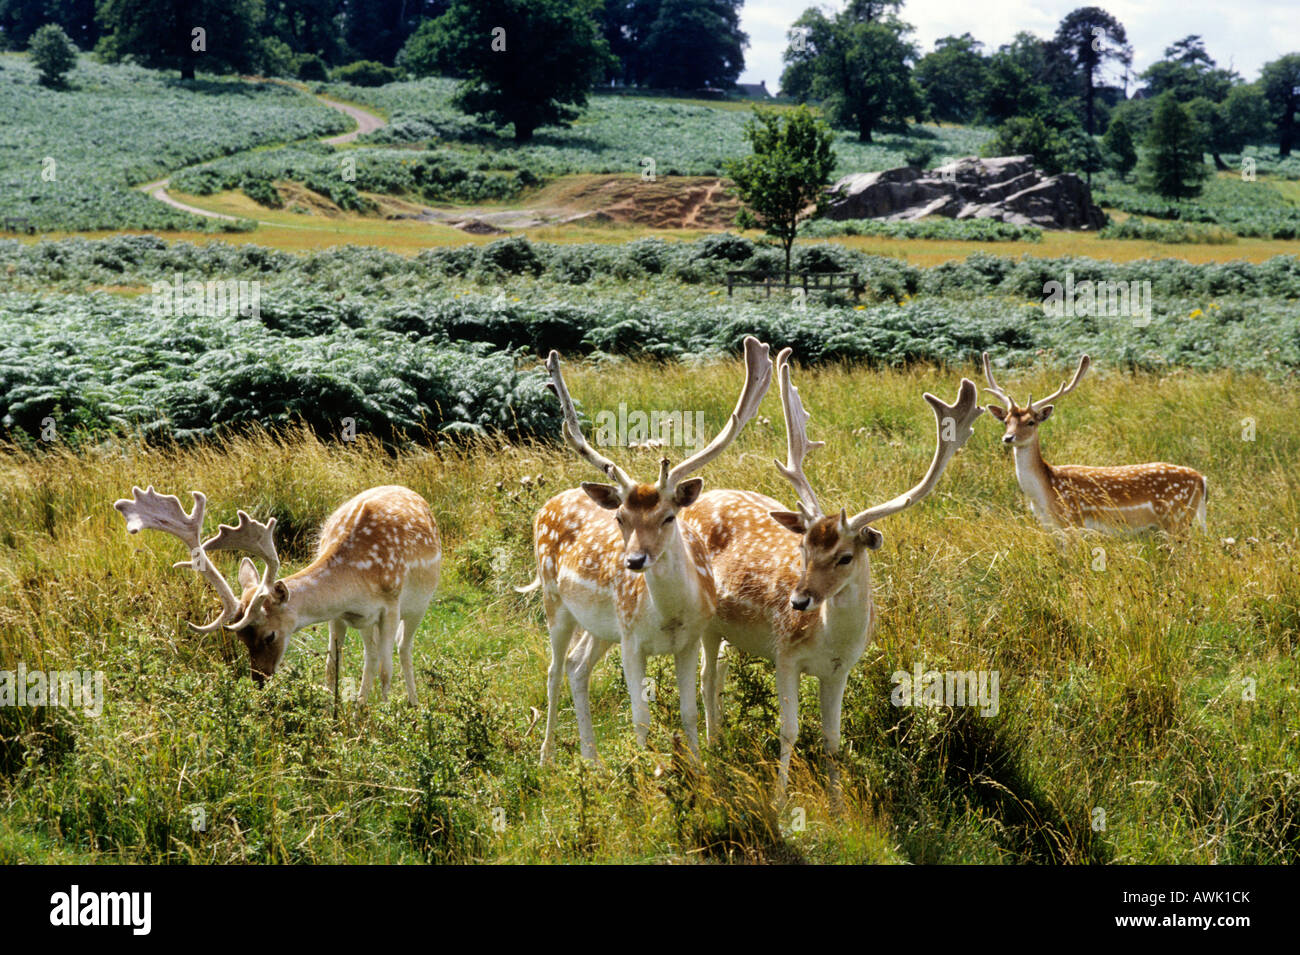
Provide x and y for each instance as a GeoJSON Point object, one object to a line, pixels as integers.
{"type": "Point", "coordinates": [795, 587]}
{"type": "Point", "coordinates": [1129, 497]}
{"type": "Point", "coordinates": [376, 570]}
{"type": "Point", "coordinates": [614, 561]}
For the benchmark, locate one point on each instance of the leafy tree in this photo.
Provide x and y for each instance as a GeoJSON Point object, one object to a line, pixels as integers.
{"type": "Point", "coordinates": [1090, 37]}
{"type": "Point", "coordinates": [53, 54]}
{"type": "Point", "coordinates": [1030, 135]}
{"type": "Point", "coordinates": [180, 34]}
{"type": "Point", "coordinates": [529, 63]}
{"type": "Point", "coordinates": [787, 172]}
{"type": "Point", "coordinates": [1174, 166]}
{"type": "Point", "coordinates": [1244, 117]}
{"type": "Point", "coordinates": [1188, 71]}
{"type": "Point", "coordinates": [951, 78]}
{"type": "Point", "coordinates": [1280, 82]}
{"type": "Point", "coordinates": [626, 25]}
{"type": "Point", "coordinates": [377, 29]}
{"type": "Point", "coordinates": [695, 43]}
{"type": "Point", "coordinates": [1119, 148]}
{"type": "Point", "coordinates": [20, 19]}
{"type": "Point", "coordinates": [858, 65]}
{"type": "Point", "coordinates": [307, 26]}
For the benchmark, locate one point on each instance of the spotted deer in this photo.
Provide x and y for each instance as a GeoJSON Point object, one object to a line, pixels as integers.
{"type": "Point", "coordinates": [376, 570]}
{"type": "Point", "coordinates": [1128, 497]}
{"type": "Point", "coordinates": [794, 587]}
{"type": "Point", "coordinates": [614, 562]}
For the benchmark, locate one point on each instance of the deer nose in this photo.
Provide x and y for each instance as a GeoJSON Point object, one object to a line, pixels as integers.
{"type": "Point", "coordinates": [1007, 438]}
{"type": "Point", "coordinates": [636, 561]}
{"type": "Point", "coordinates": [801, 602]}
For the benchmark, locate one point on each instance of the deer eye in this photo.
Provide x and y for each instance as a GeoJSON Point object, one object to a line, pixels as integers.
{"type": "Point", "coordinates": [844, 559]}
{"type": "Point", "coordinates": [669, 519]}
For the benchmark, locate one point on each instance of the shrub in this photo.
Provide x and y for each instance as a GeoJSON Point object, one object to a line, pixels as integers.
{"type": "Point", "coordinates": [53, 54]}
{"type": "Point", "coordinates": [367, 73]}
{"type": "Point", "coordinates": [311, 69]}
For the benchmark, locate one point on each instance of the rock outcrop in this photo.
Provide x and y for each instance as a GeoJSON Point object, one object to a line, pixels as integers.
{"type": "Point", "coordinates": [1006, 188]}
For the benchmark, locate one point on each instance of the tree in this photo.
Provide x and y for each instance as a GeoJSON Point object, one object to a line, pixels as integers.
{"type": "Point", "coordinates": [20, 19]}
{"type": "Point", "coordinates": [1030, 136]}
{"type": "Point", "coordinates": [1188, 71]}
{"type": "Point", "coordinates": [1174, 166]}
{"type": "Point", "coordinates": [626, 24]}
{"type": "Point", "coordinates": [1120, 150]}
{"type": "Point", "coordinates": [695, 43]}
{"type": "Point", "coordinates": [787, 172]}
{"type": "Point", "coordinates": [53, 54]}
{"type": "Point", "coordinates": [527, 63]}
{"type": "Point", "coordinates": [1090, 36]}
{"type": "Point", "coordinates": [180, 34]}
{"type": "Point", "coordinates": [309, 27]}
{"type": "Point", "coordinates": [858, 65]}
{"type": "Point", "coordinates": [951, 78]}
{"type": "Point", "coordinates": [1245, 117]}
{"type": "Point", "coordinates": [1280, 82]}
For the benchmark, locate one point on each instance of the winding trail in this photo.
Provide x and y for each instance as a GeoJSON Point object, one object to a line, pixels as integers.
{"type": "Point", "coordinates": [367, 122]}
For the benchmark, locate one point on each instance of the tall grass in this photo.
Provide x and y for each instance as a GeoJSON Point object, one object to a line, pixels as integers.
{"type": "Point", "coordinates": [1122, 659]}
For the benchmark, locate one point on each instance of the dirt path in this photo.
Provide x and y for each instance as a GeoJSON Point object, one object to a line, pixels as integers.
{"type": "Point", "coordinates": [367, 122]}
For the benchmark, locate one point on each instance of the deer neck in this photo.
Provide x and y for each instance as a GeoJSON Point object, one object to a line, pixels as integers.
{"type": "Point", "coordinates": [673, 578]}
{"type": "Point", "coordinates": [317, 596]}
{"type": "Point", "coordinates": [1034, 476]}
{"type": "Point", "coordinates": [848, 614]}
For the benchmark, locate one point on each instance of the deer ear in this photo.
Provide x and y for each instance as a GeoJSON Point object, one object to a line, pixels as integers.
{"type": "Point", "coordinates": [688, 492]}
{"type": "Point", "coordinates": [998, 412]}
{"type": "Point", "coordinates": [248, 576]}
{"type": "Point", "coordinates": [280, 591]}
{"type": "Point", "coordinates": [871, 538]}
{"type": "Point", "coordinates": [789, 520]}
{"type": "Point", "coordinates": [606, 495]}
{"type": "Point", "coordinates": [1043, 413]}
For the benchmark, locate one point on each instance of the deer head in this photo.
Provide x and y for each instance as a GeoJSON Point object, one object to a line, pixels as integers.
{"type": "Point", "coordinates": [1022, 423]}
{"type": "Point", "coordinates": [646, 514]}
{"type": "Point", "coordinates": [263, 617]}
{"type": "Point", "coordinates": [834, 548]}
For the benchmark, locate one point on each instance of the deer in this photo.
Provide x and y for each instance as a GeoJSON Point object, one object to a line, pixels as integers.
{"type": "Point", "coordinates": [376, 570]}
{"type": "Point", "coordinates": [794, 587]}
{"type": "Point", "coordinates": [1109, 499]}
{"type": "Point", "coordinates": [616, 565]}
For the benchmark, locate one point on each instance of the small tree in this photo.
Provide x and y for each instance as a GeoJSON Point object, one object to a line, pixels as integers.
{"type": "Point", "coordinates": [1030, 135]}
{"type": "Point", "coordinates": [1121, 152]}
{"type": "Point", "coordinates": [787, 172]}
{"type": "Point", "coordinates": [1175, 161]}
{"type": "Point", "coordinates": [53, 54]}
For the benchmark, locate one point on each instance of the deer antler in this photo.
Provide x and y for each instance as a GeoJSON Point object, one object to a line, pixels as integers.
{"type": "Point", "coordinates": [1084, 364]}
{"type": "Point", "coordinates": [758, 378]}
{"type": "Point", "coordinates": [993, 385]}
{"type": "Point", "coordinates": [956, 420]}
{"type": "Point", "coordinates": [573, 430]}
{"type": "Point", "coordinates": [796, 440]}
{"type": "Point", "coordinates": [149, 510]}
{"type": "Point", "coordinates": [252, 537]}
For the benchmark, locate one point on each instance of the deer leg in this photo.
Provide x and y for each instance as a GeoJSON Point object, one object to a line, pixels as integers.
{"type": "Point", "coordinates": [686, 701]}
{"type": "Point", "coordinates": [787, 698]}
{"type": "Point", "coordinates": [370, 642]}
{"type": "Point", "coordinates": [389, 625]}
{"type": "Point", "coordinates": [634, 674]}
{"type": "Point", "coordinates": [711, 680]}
{"type": "Point", "coordinates": [832, 700]}
{"type": "Point", "coordinates": [405, 652]}
{"type": "Point", "coordinates": [561, 625]}
{"type": "Point", "coordinates": [582, 659]}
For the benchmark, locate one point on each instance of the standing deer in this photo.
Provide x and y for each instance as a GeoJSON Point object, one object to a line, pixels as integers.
{"type": "Point", "coordinates": [376, 570]}
{"type": "Point", "coordinates": [1129, 497]}
{"type": "Point", "coordinates": [614, 561]}
{"type": "Point", "coordinates": [795, 587]}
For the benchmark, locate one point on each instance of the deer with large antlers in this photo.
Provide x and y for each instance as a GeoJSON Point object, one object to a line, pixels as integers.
{"type": "Point", "coordinates": [794, 587]}
{"type": "Point", "coordinates": [614, 562]}
{"type": "Point", "coordinates": [1128, 497]}
{"type": "Point", "coordinates": [376, 570]}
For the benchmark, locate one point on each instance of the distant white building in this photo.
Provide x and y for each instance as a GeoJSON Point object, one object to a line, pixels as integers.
{"type": "Point", "coordinates": [754, 90]}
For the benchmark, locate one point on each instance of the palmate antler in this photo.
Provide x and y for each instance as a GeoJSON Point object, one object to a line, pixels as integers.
{"type": "Point", "coordinates": [797, 443]}
{"type": "Point", "coordinates": [1084, 364]}
{"type": "Point", "coordinates": [149, 510]}
{"type": "Point", "coordinates": [758, 377]}
{"type": "Point", "coordinates": [955, 424]}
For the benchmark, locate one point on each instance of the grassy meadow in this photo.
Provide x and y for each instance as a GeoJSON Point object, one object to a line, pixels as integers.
{"type": "Point", "coordinates": [1123, 661]}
